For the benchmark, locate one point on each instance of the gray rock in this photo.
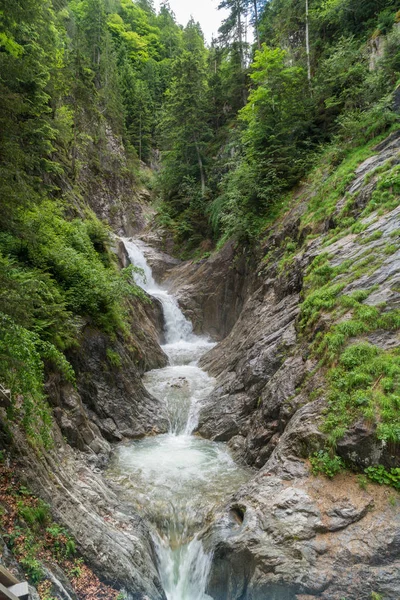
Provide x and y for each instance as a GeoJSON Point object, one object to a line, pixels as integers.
{"type": "Point", "coordinates": [112, 537]}
{"type": "Point", "coordinates": [211, 292]}
{"type": "Point", "coordinates": [309, 538]}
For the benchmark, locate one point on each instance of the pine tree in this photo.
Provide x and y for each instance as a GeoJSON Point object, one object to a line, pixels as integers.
{"type": "Point", "coordinates": [184, 124]}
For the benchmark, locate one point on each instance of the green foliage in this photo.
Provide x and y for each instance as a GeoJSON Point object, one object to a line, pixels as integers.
{"type": "Point", "coordinates": [36, 515]}
{"type": "Point", "coordinates": [184, 130]}
{"type": "Point", "coordinates": [32, 567]}
{"type": "Point", "coordinates": [383, 476]}
{"type": "Point", "coordinates": [324, 298]}
{"type": "Point", "coordinates": [365, 383]}
{"type": "Point", "coordinates": [326, 463]}
{"type": "Point", "coordinates": [21, 370]}
{"type": "Point", "coordinates": [53, 275]}
{"type": "Point", "coordinates": [62, 545]}
{"type": "Point", "coordinates": [114, 358]}
{"type": "Point", "coordinates": [66, 249]}
{"type": "Point", "coordinates": [76, 569]}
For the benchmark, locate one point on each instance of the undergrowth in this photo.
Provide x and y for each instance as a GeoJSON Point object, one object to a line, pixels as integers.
{"type": "Point", "coordinates": [36, 541]}
{"type": "Point", "coordinates": [56, 275]}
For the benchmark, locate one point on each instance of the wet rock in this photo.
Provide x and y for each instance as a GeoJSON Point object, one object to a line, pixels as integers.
{"type": "Point", "coordinates": [111, 536]}
{"type": "Point", "coordinates": [114, 396]}
{"type": "Point", "coordinates": [290, 281]}
{"type": "Point", "coordinates": [161, 263]}
{"type": "Point", "coordinates": [312, 538]}
{"type": "Point", "coordinates": [211, 292]}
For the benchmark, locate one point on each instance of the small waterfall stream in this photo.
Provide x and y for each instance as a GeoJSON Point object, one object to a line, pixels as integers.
{"type": "Point", "coordinates": [176, 479]}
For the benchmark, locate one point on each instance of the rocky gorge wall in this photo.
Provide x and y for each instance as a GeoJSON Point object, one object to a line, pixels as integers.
{"type": "Point", "coordinates": [288, 534]}
{"type": "Point", "coordinates": [108, 404]}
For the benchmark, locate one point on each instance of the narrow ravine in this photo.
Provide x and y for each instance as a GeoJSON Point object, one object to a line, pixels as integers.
{"type": "Point", "coordinates": [177, 478]}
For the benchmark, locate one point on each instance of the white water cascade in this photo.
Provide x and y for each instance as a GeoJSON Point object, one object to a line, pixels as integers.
{"type": "Point", "coordinates": [176, 479]}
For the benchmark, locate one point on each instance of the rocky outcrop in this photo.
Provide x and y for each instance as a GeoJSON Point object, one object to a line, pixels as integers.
{"type": "Point", "coordinates": [289, 536]}
{"type": "Point", "coordinates": [110, 535]}
{"type": "Point", "coordinates": [264, 366]}
{"type": "Point", "coordinates": [211, 292]}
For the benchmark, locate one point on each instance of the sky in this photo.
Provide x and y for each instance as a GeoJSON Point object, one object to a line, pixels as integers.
{"type": "Point", "coordinates": [204, 11]}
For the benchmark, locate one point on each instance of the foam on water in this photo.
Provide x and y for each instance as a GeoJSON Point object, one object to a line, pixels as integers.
{"type": "Point", "coordinates": [175, 479]}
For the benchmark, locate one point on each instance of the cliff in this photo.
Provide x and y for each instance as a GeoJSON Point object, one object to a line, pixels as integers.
{"type": "Point", "coordinates": [302, 375]}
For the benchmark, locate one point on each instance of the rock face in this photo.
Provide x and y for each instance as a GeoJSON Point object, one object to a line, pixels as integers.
{"type": "Point", "coordinates": [113, 539]}
{"type": "Point", "coordinates": [211, 292]}
{"type": "Point", "coordinates": [300, 538]}
{"type": "Point", "coordinates": [110, 189]}
{"type": "Point", "coordinates": [287, 534]}
{"type": "Point", "coordinates": [264, 361]}
{"type": "Point", "coordinates": [109, 403]}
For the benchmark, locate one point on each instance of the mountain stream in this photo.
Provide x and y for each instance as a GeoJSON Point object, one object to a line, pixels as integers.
{"type": "Point", "coordinates": [177, 478]}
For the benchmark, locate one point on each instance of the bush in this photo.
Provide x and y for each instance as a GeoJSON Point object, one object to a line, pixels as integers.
{"type": "Point", "coordinates": [380, 475]}
{"type": "Point", "coordinates": [326, 463]}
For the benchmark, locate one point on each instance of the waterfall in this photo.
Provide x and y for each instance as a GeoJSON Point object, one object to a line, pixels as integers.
{"type": "Point", "coordinates": [177, 327]}
{"type": "Point", "coordinates": [177, 478]}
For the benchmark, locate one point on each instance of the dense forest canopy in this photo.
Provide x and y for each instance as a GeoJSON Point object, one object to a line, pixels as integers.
{"type": "Point", "coordinates": [236, 126]}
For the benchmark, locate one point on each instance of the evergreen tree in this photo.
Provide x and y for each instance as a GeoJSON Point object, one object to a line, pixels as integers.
{"type": "Point", "coordinates": [184, 123]}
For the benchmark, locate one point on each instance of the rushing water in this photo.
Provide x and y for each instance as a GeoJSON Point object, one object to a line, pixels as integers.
{"type": "Point", "coordinates": [176, 479]}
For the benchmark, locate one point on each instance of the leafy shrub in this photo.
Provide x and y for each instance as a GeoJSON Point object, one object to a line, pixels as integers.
{"type": "Point", "coordinates": [380, 475]}
{"type": "Point", "coordinates": [33, 568]}
{"type": "Point", "coordinates": [326, 463]}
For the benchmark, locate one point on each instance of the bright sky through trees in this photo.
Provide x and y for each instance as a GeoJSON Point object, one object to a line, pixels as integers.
{"type": "Point", "coordinates": [204, 11]}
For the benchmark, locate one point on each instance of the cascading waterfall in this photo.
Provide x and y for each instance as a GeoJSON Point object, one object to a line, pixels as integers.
{"type": "Point", "coordinates": [175, 479]}
{"type": "Point", "coordinates": [177, 327]}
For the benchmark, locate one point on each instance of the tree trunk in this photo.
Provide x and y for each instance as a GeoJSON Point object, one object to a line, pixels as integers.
{"type": "Point", "coordinates": [201, 167]}
{"type": "Point", "coordinates": [256, 24]}
{"type": "Point", "coordinates": [308, 43]}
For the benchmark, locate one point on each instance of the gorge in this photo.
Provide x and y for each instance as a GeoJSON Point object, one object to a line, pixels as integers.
{"type": "Point", "coordinates": [200, 301]}
{"type": "Point", "coordinates": [176, 476]}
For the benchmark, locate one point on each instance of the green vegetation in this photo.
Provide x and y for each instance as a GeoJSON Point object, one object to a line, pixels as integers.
{"type": "Point", "coordinates": [364, 383]}
{"type": "Point", "coordinates": [290, 110]}
{"type": "Point", "coordinates": [36, 540]}
{"type": "Point", "coordinates": [323, 462]}
{"type": "Point", "coordinates": [383, 476]}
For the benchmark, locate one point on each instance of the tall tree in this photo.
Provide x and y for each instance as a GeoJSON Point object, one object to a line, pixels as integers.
{"type": "Point", "coordinates": [185, 120]}
{"type": "Point", "coordinates": [233, 27]}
